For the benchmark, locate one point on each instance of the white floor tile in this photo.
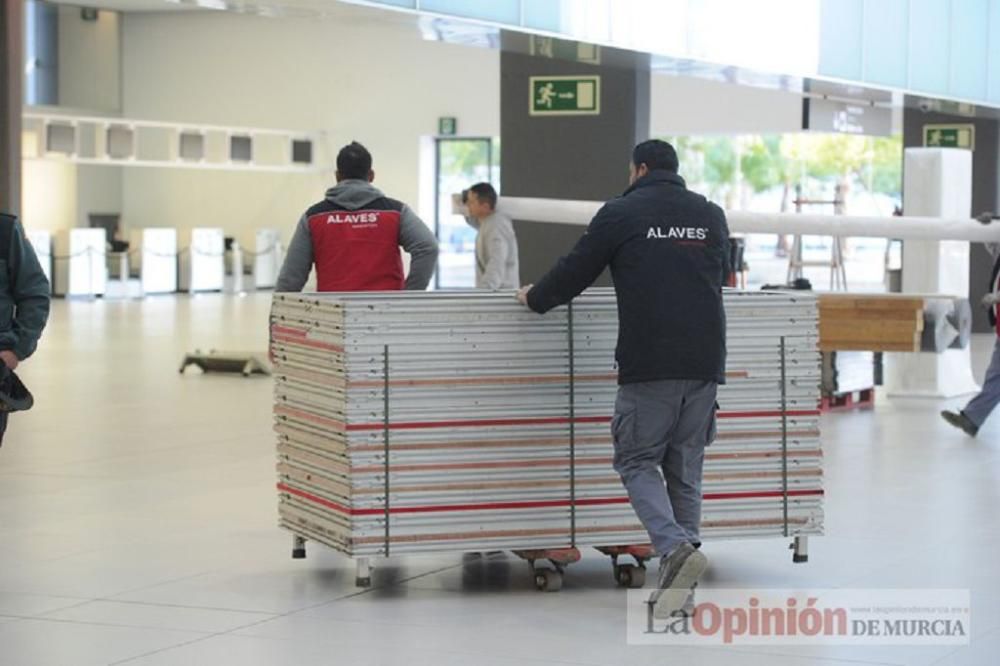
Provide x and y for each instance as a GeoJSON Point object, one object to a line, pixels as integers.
{"type": "Point", "coordinates": [27, 605]}
{"type": "Point", "coordinates": [49, 643]}
{"type": "Point", "coordinates": [180, 618]}
{"type": "Point", "coordinates": [982, 651]}
{"type": "Point", "coordinates": [144, 517]}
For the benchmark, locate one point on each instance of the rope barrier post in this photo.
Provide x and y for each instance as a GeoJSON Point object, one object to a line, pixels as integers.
{"type": "Point", "coordinates": [572, 427]}
{"type": "Point", "coordinates": [90, 271]}
{"type": "Point", "coordinates": [123, 270]}
{"type": "Point", "coordinates": [784, 436]}
{"type": "Point", "coordinates": [237, 268]}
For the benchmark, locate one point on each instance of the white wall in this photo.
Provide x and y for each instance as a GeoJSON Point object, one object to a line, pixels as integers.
{"type": "Point", "coordinates": [48, 194]}
{"type": "Point", "coordinates": [89, 61]}
{"type": "Point", "coordinates": [378, 83]}
{"type": "Point", "coordinates": [99, 190]}
{"type": "Point", "coordinates": [686, 105]}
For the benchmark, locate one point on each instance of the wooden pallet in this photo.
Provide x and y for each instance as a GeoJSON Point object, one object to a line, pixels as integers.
{"type": "Point", "coordinates": [863, 399]}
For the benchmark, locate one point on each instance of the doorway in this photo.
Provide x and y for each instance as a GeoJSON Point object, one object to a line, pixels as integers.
{"type": "Point", "coordinates": [459, 163]}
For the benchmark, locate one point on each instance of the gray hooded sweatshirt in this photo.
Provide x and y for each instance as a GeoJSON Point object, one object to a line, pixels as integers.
{"type": "Point", "coordinates": [414, 237]}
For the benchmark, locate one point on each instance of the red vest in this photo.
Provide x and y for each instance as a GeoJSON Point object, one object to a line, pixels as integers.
{"type": "Point", "coordinates": [357, 250]}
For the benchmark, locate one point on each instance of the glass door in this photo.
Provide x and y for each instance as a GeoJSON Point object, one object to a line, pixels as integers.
{"type": "Point", "coordinates": [459, 163]}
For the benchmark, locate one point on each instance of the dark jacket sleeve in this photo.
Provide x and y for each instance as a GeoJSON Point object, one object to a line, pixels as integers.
{"type": "Point", "coordinates": [578, 269]}
{"type": "Point", "coordinates": [720, 216]}
{"type": "Point", "coordinates": [30, 293]}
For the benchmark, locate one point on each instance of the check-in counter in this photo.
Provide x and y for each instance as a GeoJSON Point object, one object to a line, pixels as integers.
{"type": "Point", "coordinates": [79, 262]}
{"type": "Point", "coordinates": [41, 242]}
{"type": "Point", "coordinates": [267, 258]}
{"type": "Point", "coordinates": [157, 260]}
{"type": "Point", "coordinates": [203, 265]}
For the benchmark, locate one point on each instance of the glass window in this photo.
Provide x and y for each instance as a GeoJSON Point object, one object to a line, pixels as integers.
{"type": "Point", "coordinates": [928, 47]}
{"type": "Point", "coordinates": [543, 15]}
{"type": "Point", "coordinates": [969, 34]}
{"type": "Point", "coordinates": [460, 164]}
{"type": "Point", "coordinates": [886, 30]}
{"type": "Point", "coordinates": [41, 54]}
{"type": "Point", "coordinates": [994, 53]}
{"type": "Point", "coordinates": [501, 11]}
{"type": "Point", "coordinates": [840, 38]}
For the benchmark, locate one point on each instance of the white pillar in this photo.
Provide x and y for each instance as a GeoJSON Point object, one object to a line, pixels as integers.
{"type": "Point", "coordinates": [937, 182]}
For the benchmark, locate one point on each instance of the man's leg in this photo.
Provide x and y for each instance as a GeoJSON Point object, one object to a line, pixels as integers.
{"type": "Point", "coordinates": [645, 416]}
{"type": "Point", "coordinates": [979, 408]}
{"type": "Point", "coordinates": [685, 455]}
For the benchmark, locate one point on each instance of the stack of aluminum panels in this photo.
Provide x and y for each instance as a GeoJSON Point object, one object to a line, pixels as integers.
{"type": "Point", "coordinates": [414, 422]}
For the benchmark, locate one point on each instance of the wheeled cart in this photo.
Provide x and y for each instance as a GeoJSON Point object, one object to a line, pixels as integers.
{"type": "Point", "coordinates": [460, 422]}
{"type": "Point", "coordinates": [550, 578]}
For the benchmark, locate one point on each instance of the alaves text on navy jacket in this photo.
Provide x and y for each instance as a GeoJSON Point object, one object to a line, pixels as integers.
{"type": "Point", "coordinates": [668, 250]}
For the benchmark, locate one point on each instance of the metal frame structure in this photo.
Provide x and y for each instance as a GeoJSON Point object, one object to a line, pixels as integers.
{"type": "Point", "coordinates": [460, 421]}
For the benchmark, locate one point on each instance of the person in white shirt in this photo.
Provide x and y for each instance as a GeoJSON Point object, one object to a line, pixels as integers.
{"type": "Point", "coordinates": [496, 245]}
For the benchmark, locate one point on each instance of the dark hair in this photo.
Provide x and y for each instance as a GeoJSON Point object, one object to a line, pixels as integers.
{"type": "Point", "coordinates": [354, 161]}
{"type": "Point", "coordinates": [655, 154]}
{"type": "Point", "coordinates": [485, 192]}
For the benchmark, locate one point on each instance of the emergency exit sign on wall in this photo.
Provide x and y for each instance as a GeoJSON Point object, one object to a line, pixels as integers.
{"type": "Point", "coordinates": [565, 95]}
{"type": "Point", "coordinates": [950, 136]}
{"type": "Point", "coordinates": [447, 126]}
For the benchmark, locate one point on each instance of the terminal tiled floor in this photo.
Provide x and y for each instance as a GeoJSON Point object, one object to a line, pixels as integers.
{"type": "Point", "coordinates": [138, 526]}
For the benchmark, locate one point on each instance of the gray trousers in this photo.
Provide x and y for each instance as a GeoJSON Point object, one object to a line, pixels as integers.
{"type": "Point", "coordinates": [979, 408]}
{"type": "Point", "coordinates": [660, 431]}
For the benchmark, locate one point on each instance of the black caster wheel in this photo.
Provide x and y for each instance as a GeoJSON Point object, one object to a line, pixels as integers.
{"type": "Point", "coordinates": [298, 553]}
{"type": "Point", "coordinates": [798, 559]}
{"type": "Point", "coordinates": [363, 582]}
{"type": "Point", "coordinates": [629, 575]}
{"type": "Point", "coordinates": [548, 580]}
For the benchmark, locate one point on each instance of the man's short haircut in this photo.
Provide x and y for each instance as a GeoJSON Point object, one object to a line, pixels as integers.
{"type": "Point", "coordinates": [354, 161]}
{"type": "Point", "coordinates": [485, 192]}
{"type": "Point", "coordinates": [655, 154]}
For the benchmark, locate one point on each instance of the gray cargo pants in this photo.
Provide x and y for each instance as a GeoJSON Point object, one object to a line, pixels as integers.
{"type": "Point", "coordinates": [664, 425]}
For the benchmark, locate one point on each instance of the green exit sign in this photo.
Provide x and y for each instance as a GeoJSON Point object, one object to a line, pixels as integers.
{"type": "Point", "coordinates": [950, 136]}
{"type": "Point", "coordinates": [565, 95]}
{"type": "Point", "coordinates": [447, 126]}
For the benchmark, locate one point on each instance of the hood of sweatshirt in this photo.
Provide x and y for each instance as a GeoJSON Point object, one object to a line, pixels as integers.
{"type": "Point", "coordinates": [353, 194]}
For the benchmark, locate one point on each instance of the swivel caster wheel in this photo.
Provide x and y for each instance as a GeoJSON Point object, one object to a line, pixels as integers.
{"type": "Point", "coordinates": [629, 575]}
{"type": "Point", "coordinates": [363, 582]}
{"type": "Point", "coordinates": [298, 548]}
{"type": "Point", "coordinates": [548, 580]}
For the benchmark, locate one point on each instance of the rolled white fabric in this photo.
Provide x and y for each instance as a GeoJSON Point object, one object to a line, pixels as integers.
{"type": "Point", "coordinates": [566, 211]}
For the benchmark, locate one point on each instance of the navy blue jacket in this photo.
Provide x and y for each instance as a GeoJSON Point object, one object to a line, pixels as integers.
{"type": "Point", "coordinates": [24, 291]}
{"type": "Point", "coordinates": [668, 249]}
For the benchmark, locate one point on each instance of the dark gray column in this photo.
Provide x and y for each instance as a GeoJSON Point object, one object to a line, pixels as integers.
{"type": "Point", "coordinates": [567, 157]}
{"type": "Point", "coordinates": [11, 85]}
{"type": "Point", "coordinates": [985, 170]}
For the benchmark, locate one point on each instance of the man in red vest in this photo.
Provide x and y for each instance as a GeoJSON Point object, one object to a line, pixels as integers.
{"type": "Point", "coordinates": [353, 237]}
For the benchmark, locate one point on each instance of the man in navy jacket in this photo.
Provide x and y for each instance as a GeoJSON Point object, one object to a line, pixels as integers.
{"type": "Point", "coordinates": [668, 251]}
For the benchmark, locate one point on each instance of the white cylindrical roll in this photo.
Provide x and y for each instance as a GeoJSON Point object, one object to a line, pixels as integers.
{"type": "Point", "coordinates": [565, 211]}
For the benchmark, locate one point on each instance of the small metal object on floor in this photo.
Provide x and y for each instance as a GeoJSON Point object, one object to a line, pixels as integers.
{"type": "Point", "coordinates": [244, 363]}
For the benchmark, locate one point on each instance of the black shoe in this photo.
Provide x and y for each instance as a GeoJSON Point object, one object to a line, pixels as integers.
{"type": "Point", "coordinates": [960, 421]}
